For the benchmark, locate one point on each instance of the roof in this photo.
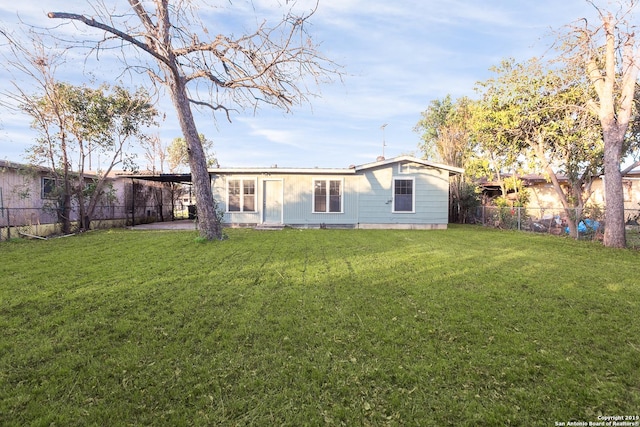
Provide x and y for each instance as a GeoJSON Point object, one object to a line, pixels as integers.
{"type": "Point", "coordinates": [452, 169]}
{"type": "Point", "coordinates": [158, 177]}
{"type": "Point", "coordinates": [13, 165]}
{"type": "Point", "coordinates": [279, 170]}
{"type": "Point", "coordinates": [7, 164]}
{"type": "Point", "coordinates": [336, 171]}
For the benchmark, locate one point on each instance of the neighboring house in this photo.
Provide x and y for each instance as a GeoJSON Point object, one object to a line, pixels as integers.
{"type": "Point", "coordinates": [403, 192]}
{"type": "Point", "coordinates": [28, 201]}
{"type": "Point", "coordinates": [25, 195]}
{"type": "Point", "coordinates": [542, 195]}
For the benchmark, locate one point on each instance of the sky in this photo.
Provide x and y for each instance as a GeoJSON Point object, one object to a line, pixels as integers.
{"type": "Point", "coordinates": [395, 58]}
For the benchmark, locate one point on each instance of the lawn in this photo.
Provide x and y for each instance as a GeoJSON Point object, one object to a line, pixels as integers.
{"type": "Point", "coordinates": [463, 327]}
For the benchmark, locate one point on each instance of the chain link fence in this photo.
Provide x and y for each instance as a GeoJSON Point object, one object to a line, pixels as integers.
{"type": "Point", "coordinates": [42, 222]}
{"type": "Point", "coordinates": [590, 222]}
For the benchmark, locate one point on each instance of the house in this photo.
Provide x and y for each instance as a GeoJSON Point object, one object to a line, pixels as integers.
{"type": "Point", "coordinates": [543, 196]}
{"type": "Point", "coordinates": [403, 192]}
{"type": "Point", "coordinates": [25, 195]}
{"type": "Point", "coordinates": [29, 201]}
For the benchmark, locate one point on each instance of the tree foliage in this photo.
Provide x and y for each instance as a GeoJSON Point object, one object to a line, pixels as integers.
{"type": "Point", "coordinates": [178, 155]}
{"type": "Point", "coordinates": [75, 124]}
{"type": "Point", "coordinates": [536, 114]}
{"type": "Point", "coordinates": [447, 137]}
{"type": "Point", "coordinates": [95, 123]}
{"type": "Point", "coordinates": [446, 132]}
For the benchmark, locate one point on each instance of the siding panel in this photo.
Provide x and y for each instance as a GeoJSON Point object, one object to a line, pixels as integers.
{"type": "Point", "coordinates": [367, 197]}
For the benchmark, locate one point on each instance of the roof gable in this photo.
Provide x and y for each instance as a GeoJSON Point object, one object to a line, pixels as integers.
{"type": "Point", "coordinates": [410, 159]}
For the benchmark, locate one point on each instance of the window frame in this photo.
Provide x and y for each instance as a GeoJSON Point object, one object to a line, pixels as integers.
{"type": "Point", "coordinates": [50, 194]}
{"type": "Point", "coordinates": [241, 195]}
{"type": "Point", "coordinates": [413, 195]}
{"type": "Point", "coordinates": [328, 196]}
{"type": "Point", "coordinates": [405, 168]}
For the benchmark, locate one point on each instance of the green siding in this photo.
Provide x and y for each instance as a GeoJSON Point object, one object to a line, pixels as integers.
{"type": "Point", "coordinates": [367, 197]}
{"type": "Point", "coordinates": [299, 201]}
{"type": "Point", "coordinates": [431, 196]}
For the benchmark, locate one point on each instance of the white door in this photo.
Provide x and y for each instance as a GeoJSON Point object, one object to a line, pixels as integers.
{"type": "Point", "coordinates": [272, 202]}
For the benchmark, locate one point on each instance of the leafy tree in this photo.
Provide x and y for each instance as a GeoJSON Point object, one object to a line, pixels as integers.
{"type": "Point", "coordinates": [74, 123]}
{"type": "Point", "coordinates": [608, 53]}
{"type": "Point", "coordinates": [536, 114]}
{"type": "Point", "coordinates": [446, 137]}
{"type": "Point", "coordinates": [108, 120]}
{"type": "Point", "coordinates": [94, 122]}
{"type": "Point", "coordinates": [270, 65]}
{"type": "Point", "coordinates": [178, 155]}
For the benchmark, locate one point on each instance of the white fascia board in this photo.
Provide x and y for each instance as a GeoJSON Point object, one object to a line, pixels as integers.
{"type": "Point", "coordinates": [280, 171]}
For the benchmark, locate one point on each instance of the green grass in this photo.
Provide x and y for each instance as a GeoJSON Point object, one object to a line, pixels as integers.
{"type": "Point", "coordinates": [462, 327]}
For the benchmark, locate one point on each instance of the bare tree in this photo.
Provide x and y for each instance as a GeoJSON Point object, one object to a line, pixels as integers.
{"type": "Point", "coordinates": [609, 53]}
{"type": "Point", "coordinates": [270, 65]}
{"type": "Point", "coordinates": [155, 152]}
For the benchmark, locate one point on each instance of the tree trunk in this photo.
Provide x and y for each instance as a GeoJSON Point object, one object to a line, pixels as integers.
{"type": "Point", "coordinates": [615, 112]}
{"type": "Point", "coordinates": [66, 196]}
{"type": "Point", "coordinates": [65, 213]}
{"type": "Point", "coordinates": [572, 212]}
{"type": "Point", "coordinates": [614, 231]}
{"type": "Point", "coordinates": [208, 223]}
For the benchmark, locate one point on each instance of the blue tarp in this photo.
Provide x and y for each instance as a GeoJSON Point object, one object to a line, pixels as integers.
{"type": "Point", "coordinates": [585, 226]}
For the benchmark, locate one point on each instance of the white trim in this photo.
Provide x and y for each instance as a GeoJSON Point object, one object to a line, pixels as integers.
{"type": "Point", "coordinates": [282, 171]}
{"type": "Point", "coordinates": [255, 194]}
{"type": "Point", "coordinates": [413, 194]}
{"type": "Point", "coordinates": [263, 211]}
{"type": "Point", "coordinates": [407, 169]}
{"type": "Point", "coordinates": [452, 169]}
{"type": "Point", "coordinates": [47, 195]}
{"type": "Point", "coordinates": [328, 196]}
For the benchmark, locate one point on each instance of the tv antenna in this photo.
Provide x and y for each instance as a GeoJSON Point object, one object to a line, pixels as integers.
{"type": "Point", "coordinates": [384, 144]}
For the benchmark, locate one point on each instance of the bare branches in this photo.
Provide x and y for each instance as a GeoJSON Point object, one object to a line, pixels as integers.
{"type": "Point", "coordinates": [213, 107]}
{"type": "Point", "coordinates": [268, 66]}
{"type": "Point", "coordinates": [271, 65]}
{"type": "Point", "coordinates": [99, 25]}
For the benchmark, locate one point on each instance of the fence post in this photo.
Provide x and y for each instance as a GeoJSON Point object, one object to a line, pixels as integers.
{"type": "Point", "coordinates": [519, 218]}
{"type": "Point", "coordinates": [8, 225]}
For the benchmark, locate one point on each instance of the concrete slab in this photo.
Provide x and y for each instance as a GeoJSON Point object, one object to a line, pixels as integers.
{"type": "Point", "coordinates": [183, 224]}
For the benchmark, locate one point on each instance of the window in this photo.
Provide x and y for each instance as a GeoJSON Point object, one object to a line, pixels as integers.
{"type": "Point", "coordinates": [406, 167]}
{"type": "Point", "coordinates": [627, 193]}
{"type": "Point", "coordinates": [327, 196]}
{"type": "Point", "coordinates": [403, 195]}
{"type": "Point", "coordinates": [249, 196]}
{"type": "Point", "coordinates": [48, 188]}
{"type": "Point", "coordinates": [242, 195]}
